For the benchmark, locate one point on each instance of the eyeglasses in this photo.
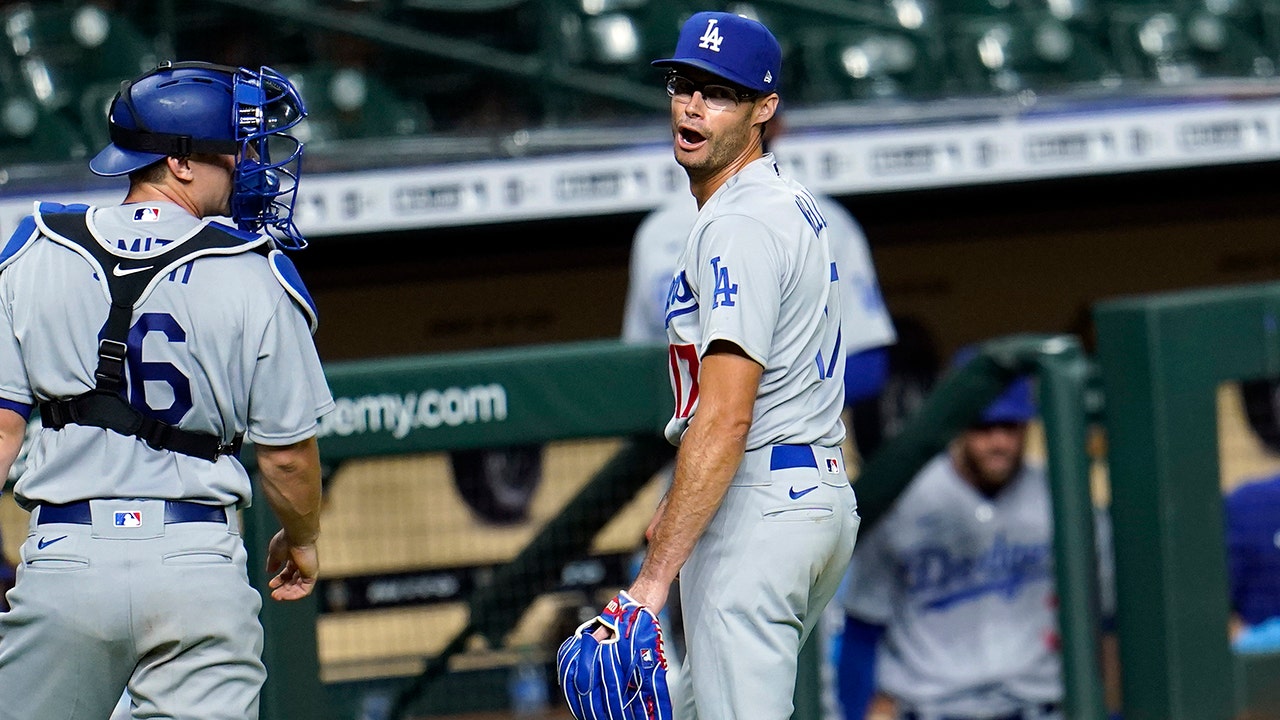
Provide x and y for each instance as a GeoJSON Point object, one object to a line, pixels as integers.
{"type": "Point", "coordinates": [715, 96]}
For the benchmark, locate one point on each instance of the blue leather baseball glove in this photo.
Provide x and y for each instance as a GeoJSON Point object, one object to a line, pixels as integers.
{"type": "Point", "coordinates": [623, 677]}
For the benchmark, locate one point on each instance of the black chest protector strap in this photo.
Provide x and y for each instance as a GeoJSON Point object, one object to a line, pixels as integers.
{"type": "Point", "coordinates": [127, 279]}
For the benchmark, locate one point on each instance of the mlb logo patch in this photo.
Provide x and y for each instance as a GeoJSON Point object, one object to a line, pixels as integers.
{"type": "Point", "coordinates": [146, 214]}
{"type": "Point", "coordinates": [129, 518]}
{"type": "Point", "coordinates": [833, 466]}
{"type": "Point", "coordinates": [646, 657]}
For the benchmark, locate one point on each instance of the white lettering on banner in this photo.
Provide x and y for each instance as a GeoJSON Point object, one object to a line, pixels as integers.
{"type": "Point", "coordinates": [1228, 134]}
{"type": "Point", "coordinates": [601, 186]}
{"type": "Point", "coordinates": [903, 159]}
{"type": "Point", "coordinates": [1058, 148]}
{"type": "Point", "coordinates": [400, 415]}
{"type": "Point", "coordinates": [417, 198]}
{"type": "Point", "coordinates": [429, 587]}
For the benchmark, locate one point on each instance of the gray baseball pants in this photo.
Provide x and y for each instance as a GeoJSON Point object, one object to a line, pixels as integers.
{"type": "Point", "coordinates": [130, 600]}
{"type": "Point", "coordinates": [758, 579]}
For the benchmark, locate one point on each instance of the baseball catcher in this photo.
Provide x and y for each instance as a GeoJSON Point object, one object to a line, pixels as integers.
{"type": "Point", "coordinates": [622, 676]}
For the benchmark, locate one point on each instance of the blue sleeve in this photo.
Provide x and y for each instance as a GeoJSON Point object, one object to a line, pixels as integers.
{"type": "Point", "coordinates": [21, 408]}
{"type": "Point", "coordinates": [858, 666]}
{"type": "Point", "coordinates": [1237, 544]}
{"type": "Point", "coordinates": [865, 373]}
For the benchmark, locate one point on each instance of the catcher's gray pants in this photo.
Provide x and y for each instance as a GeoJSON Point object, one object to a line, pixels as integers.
{"type": "Point", "coordinates": [758, 580]}
{"type": "Point", "coordinates": [164, 608]}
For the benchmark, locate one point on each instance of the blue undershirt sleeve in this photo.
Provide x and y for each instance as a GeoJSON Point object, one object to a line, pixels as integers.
{"type": "Point", "coordinates": [865, 373]}
{"type": "Point", "coordinates": [21, 408]}
{"type": "Point", "coordinates": [858, 666]}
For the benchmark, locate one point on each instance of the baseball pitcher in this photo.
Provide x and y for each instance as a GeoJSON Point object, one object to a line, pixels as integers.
{"type": "Point", "coordinates": [760, 518]}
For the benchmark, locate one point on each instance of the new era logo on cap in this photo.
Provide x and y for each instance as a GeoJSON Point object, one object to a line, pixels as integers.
{"type": "Point", "coordinates": [733, 47]}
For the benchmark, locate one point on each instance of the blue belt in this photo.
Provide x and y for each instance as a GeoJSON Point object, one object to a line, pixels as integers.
{"type": "Point", "coordinates": [175, 511]}
{"type": "Point", "coordinates": [1045, 709]}
{"type": "Point", "coordinates": [791, 456]}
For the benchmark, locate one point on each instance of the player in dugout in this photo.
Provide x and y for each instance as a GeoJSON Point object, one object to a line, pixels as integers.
{"type": "Point", "coordinates": [950, 600]}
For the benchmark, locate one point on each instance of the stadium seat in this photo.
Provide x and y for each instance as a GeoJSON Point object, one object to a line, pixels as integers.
{"type": "Point", "coordinates": [602, 35]}
{"type": "Point", "coordinates": [348, 104]}
{"type": "Point", "coordinates": [1176, 45]}
{"type": "Point", "coordinates": [61, 48]}
{"type": "Point", "coordinates": [30, 133]}
{"type": "Point", "coordinates": [870, 63]}
{"type": "Point", "coordinates": [976, 8]}
{"type": "Point", "coordinates": [1269, 27]}
{"type": "Point", "coordinates": [616, 38]}
{"type": "Point", "coordinates": [92, 110]}
{"type": "Point", "coordinates": [1233, 36]}
{"type": "Point", "coordinates": [460, 94]}
{"type": "Point", "coordinates": [1024, 51]}
{"type": "Point", "coordinates": [1228, 46]}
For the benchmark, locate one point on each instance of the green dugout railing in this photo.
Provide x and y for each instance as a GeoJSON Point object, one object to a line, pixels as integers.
{"type": "Point", "coordinates": [1163, 358]}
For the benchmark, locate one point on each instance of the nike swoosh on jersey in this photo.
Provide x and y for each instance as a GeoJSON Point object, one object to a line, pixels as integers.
{"type": "Point", "coordinates": [119, 271]}
{"type": "Point", "coordinates": [797, 494]}
{"type": "Point", "coordinates": [42, 544]}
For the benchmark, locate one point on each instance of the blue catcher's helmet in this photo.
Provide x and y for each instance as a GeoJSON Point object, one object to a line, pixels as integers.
{"type": "Point", "coordinates": [196, 107]}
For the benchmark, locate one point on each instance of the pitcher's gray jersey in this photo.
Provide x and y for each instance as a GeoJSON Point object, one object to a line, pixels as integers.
{"type": "Point", "coordinates": [964, 586]}
{"type": "Point", "coordinates": [663, 234]}
{"type": "Point", "coordinates": [183, 366]}
{"type": "Point", "coordinates": [758, 271]}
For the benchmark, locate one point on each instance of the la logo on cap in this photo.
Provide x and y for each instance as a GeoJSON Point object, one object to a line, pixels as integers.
{"type": "Point", "coordinates": [711, 39]}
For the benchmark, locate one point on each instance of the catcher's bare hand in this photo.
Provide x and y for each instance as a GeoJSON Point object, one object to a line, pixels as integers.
{"type": "Point", "coordinates": [295, 567]}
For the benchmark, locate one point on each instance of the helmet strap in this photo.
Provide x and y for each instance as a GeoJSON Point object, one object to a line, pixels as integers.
{"type": "Point", "coordinates": [167, 144]}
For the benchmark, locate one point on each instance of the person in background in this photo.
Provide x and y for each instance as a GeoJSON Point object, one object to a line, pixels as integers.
{"type": "Point", "coordinates": [1252, 517]}
{"type": "Point", "coordinates": [950, 601]}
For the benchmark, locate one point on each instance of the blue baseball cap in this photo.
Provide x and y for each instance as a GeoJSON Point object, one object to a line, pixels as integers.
{"type": "Point", "coordinates": [1014, 405]}
{"type": "Point", "coordinates": [733, 47]}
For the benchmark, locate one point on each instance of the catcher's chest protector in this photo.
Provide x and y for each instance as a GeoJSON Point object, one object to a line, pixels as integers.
{"type": "Point", "coordinates": [129, 281]}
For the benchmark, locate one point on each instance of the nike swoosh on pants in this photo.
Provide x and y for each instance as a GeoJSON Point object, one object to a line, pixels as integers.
{"type": "Point", "coordinates": [42, 543]}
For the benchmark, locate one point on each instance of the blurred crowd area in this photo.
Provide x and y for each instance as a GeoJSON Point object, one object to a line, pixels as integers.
{"type": "Point", "coordinates": [453, 69]}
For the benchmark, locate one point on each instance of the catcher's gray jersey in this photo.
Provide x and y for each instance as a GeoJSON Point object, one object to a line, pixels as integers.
{"type": "Point", "coordinates": [219, 346]}
{"type": "Point", "coordinates": [964, 587]}
{"type": "Point", "coordinates": [758, 271]}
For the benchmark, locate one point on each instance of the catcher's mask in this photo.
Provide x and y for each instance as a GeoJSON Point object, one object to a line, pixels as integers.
{"type": "Point", "coordinates": [195, 107]}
